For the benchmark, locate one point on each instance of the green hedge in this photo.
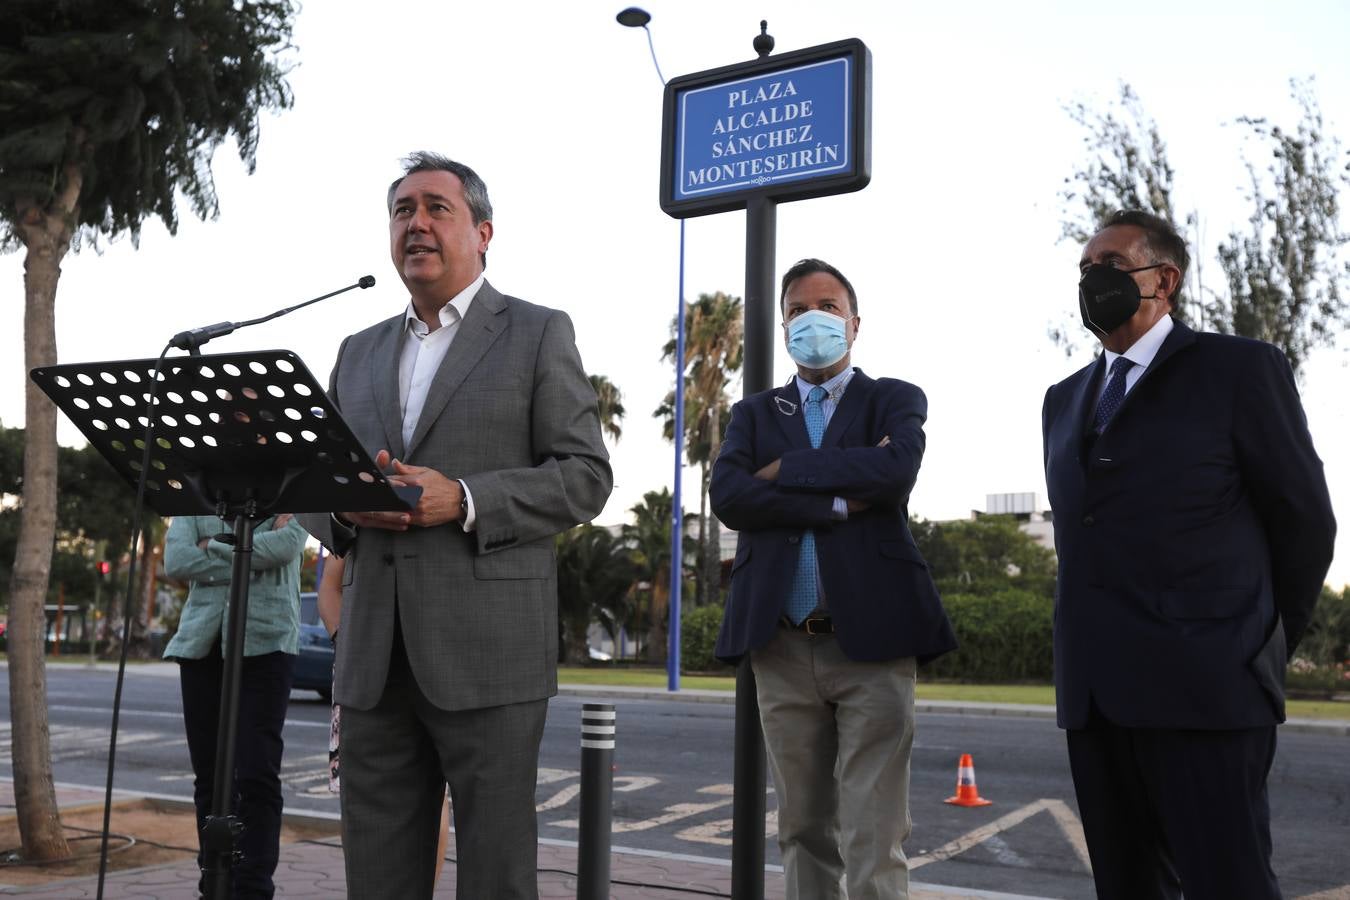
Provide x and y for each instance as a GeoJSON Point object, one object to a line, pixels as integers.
{"type": "Point", "coordinates": [698, 637]}
{"type": "Point", "coordinates": [1003, 636]}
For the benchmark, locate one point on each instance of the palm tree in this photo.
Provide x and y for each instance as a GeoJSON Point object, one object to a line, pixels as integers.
{"type": "Point", "coordinates": [610, 400]}
{"type": "Point", "coordinates": [648, 543]}
{"type": "Point", "coordinates": [595, 572]}
{"type": "Point", "coordinates": [713, 350]}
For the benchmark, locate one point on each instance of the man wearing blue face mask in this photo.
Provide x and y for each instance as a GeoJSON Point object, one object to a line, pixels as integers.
{"type": "Point", "coordinates": [830, 597]}
{"type": "Point", "coordinates": [1193, 528]}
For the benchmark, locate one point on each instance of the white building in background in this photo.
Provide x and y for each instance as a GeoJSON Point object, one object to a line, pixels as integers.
{"type": "Point", "coordinates": [1039, 524]}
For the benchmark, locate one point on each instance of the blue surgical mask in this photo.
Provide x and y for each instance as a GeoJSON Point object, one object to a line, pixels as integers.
{"type": "Point", "coordinates": [816, 339]}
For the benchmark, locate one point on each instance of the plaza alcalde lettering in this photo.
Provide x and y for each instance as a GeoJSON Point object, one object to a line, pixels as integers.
{"type": "Point", "coordinates": [763, 133]}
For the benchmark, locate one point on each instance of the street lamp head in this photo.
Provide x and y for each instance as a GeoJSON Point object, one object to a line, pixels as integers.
{"type": "Point", "coordinates": [634, 17]}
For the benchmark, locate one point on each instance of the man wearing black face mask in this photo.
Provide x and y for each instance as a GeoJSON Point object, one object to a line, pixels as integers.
{"type": "Point", "coordinates": [1193, 528]}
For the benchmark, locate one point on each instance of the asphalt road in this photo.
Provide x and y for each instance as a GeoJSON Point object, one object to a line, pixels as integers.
{"type": "Point", "coordinates": [673, 776]}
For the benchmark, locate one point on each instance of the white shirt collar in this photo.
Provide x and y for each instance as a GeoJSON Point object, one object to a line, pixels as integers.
{"type": "Point", "coordinates": [1142, 351]}
{"type": "Point", "coordinates": [450, 313]}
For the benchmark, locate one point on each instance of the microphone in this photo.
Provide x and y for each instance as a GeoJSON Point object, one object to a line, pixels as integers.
{"type": "Point", "coordinates": [192, 339]}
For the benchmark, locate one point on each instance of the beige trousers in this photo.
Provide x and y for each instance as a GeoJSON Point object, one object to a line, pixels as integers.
{"type": "Point", "coordinates": [839, 735]}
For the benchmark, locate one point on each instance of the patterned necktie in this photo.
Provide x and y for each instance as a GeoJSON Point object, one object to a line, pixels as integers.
{"type": "Point", "coordinates": [1114, 393]}
{"type": "Point", "coordinates": [804, 596]}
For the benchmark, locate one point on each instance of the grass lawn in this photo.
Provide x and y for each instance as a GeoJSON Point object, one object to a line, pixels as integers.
{"type": "Point", "coordinates": [1042, 694]}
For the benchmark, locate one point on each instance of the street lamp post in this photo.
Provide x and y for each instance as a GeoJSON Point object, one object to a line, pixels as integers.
{"type": "Point", "coordinates": [634, 17]}
{"type": "Point", "coordinates": [748, 808]}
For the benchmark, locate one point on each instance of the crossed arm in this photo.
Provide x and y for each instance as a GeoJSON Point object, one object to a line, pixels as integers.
{"type": "Point", "coordinates": [191, 552]}
{"type": "Point", "coordinates": [797, 489]}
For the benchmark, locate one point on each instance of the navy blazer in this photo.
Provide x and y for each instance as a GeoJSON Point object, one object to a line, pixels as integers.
{"type": "Point", "coordinates": [1193, 536]}
{"type": "Point", "coordinates": [877, 585]}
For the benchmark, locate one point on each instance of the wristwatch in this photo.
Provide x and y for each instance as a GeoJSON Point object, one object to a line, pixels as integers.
{"type": "Point", "coordinates": [463, 503]}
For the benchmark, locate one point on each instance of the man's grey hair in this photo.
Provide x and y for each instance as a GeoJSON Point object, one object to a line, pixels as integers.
{"type": "Point", "coordinates": [475, 191]}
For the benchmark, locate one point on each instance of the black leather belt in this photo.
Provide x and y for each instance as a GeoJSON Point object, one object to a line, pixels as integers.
{"type": "Point", "coordinates": [811, 624]}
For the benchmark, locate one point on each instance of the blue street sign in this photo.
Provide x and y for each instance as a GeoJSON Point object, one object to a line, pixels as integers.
{"type": "Point", "coordinates": [791, 127]}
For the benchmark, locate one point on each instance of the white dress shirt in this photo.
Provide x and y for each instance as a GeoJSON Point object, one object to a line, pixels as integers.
{"type": "Point", "coordinates": [1141, 353]}
{"type": "Point", "coordinates": [423, 352]}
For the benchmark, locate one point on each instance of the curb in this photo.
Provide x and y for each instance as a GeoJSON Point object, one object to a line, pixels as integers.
{"type": "Point", "coordinates": [1338, 727]}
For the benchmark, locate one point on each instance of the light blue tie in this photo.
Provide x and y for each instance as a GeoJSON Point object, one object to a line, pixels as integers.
{"type": "Point", "coordinates": [804, 595]}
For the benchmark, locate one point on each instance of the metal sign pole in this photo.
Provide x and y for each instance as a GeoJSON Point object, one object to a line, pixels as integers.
{"type": "Point", "coordinates": [750, 136]}
{"type": "Point", "coordinates": [747, 828]}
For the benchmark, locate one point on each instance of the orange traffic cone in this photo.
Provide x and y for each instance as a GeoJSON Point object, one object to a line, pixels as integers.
{"type": "Point", "coordinates": [966, 792]}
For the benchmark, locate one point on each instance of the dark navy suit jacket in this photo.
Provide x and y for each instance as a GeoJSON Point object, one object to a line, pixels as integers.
{"type": "Point", "coordinates": [1193, 536]}
{"type": "Point", "coordinates": [877, 585]}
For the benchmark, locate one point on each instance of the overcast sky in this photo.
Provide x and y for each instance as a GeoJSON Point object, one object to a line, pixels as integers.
{"type": "Point", "coordinates": [953, 247]}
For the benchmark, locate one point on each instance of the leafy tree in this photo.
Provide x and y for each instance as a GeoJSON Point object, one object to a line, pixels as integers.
{"type": "Point", "coordinates": [595, 573]}
{"type": "Point", "coordinates": [1327, 640]}
{"type": "Point", "coordinates": [93, 517]}
{"type": "Point", "coordinates": [713, 349]}
{"type": "Point", "coordinates": [1127, 167]}
{"type": "Point", "coordinates": [984, 556]}
{"type": "Point", "coordinates": [108, 111]}
{"type": "Point", "coordinates": [1284, 276]}
{"type": "Point", "coordinates": [610, 400]}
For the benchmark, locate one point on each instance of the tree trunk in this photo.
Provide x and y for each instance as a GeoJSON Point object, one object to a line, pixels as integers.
{"type": "Point", "coordinates": [46, 235]}
{"type": "Point", "coordinates": [577, 652]}
{"type": "Point", "coordinates": [141, 609]}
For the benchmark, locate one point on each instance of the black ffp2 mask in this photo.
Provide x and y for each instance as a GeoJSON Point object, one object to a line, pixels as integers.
{"type": "Point", "coordinates": [1108, 297]}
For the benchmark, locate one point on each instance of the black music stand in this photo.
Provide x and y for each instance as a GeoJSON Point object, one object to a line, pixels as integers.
{"type": "Point", "coordinates": [239, 435]}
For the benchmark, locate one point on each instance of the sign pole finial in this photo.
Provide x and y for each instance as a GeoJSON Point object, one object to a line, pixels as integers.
{"type": "Point", "coordinates": [763, 40]}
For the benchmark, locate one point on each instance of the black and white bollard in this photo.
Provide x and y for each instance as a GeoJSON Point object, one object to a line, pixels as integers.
{"type": "Point", "coordinates": [597, 792]}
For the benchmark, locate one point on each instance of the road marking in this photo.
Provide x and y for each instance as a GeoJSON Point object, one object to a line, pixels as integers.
{"type": "Point", "coordinates": [1058, 809]}
{"type": "Point", "coordinates": [1005, 854]}
{"type": "Point", "coordinates": [673, 813]}
{"type": "Point", "coordinates": [718, 832]}
{"type": "Point", "coordinates": [628, 783]}
{"type": "Point", "coordinates": [623, 783]}
{"type": "Point", "coordinates": [161, 714]}
{"type": "Point", "coordinates": [1072, 829]}
{"type": "Point", "coordinates": [73, 741]}
{"type": "Point", "coordinates": [559, 799]}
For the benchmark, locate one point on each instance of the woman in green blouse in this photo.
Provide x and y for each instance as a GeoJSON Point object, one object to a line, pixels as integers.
{"type": "Point", "coordinates": [192, 554]}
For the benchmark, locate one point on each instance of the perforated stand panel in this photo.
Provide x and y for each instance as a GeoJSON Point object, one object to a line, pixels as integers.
{"type": "Point", "coordinates": [229, 428]}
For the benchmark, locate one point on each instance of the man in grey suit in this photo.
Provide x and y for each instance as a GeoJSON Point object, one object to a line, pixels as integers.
{"type": "Point", "coordinates": [448, 648]}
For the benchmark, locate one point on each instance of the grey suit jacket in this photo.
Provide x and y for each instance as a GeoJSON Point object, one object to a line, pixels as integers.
{"type": "Point", "coordinates": [511, 414]}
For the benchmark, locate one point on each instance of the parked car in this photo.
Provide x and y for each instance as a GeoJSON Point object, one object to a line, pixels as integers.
{"type": "Point", "coordinates": [314, 660]}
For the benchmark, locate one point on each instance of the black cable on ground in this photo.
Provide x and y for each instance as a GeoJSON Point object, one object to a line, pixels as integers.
{"type": "Point", "coordinates": [12, 858]}
{"type": "Point", "coordinates": [138, 513]}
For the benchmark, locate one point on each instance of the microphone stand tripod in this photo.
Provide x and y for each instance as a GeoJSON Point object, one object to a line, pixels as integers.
{"type": "Point", "coordinates": [240, 435]}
